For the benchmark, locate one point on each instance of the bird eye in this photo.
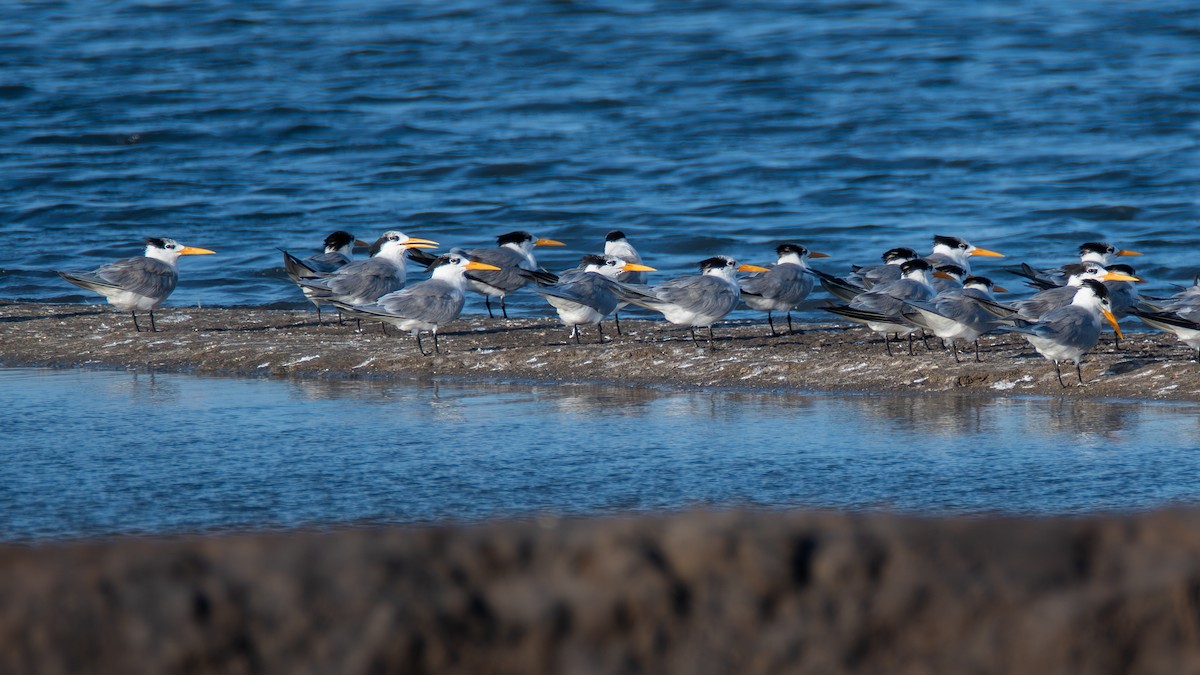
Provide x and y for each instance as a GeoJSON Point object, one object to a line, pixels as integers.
{"type": "Point", "coordinates": [963, 246]}
{"type": "Point", "coordinates": [455, 261]}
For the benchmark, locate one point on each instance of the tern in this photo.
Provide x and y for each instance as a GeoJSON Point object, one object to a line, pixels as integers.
{"type": "Point", "coordinates": [694, 300]}
{"type": "Point", "coordinates": [1034, 307]}
{"type": "Point", "coordinates": [783, 286]}
{"type": "Point", "coordinates": [882, 307]}
{"type": "Point", "coordinates": [338, 252]}
{"type": "Point", "coordinates": [365, 281]}
{"type": "Point", "coordinates": [1098, 252]}
{"type": "Point", "coordinates": [588, 295]}
{"type": "Point", "coordinates": [616, 244]}
{"type": "Point", "coordinates": [517, 265]}
{"type": "Point", "coordinates": [1182, 320]}
{"type": "Point", "coordinates": [1069, 332]}
{"type": "Point", "coordinates": [426, 305]}
{"type": "Point", "coordinates": [954, 315]}
{"type": "Point", "coordinates": [956, 251]}
{"type": "Point", "coordinates": [137, 283]}
{"type": "Point", "coordinates": [863, 279]}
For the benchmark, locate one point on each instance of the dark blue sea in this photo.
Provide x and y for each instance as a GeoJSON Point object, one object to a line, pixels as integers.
{"type": "Point", "coordinates": [697, 128]}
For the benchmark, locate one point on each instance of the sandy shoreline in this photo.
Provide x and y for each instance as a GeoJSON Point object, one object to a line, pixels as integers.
{"type": "Point", "coordinates": [822, 358]}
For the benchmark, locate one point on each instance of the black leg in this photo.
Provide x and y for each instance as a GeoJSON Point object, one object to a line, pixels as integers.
{"type": "Point", "coordinates": [977, 351]}
{"type": "Point", "coordinates": [136, 327]}
{"type": "Point", "coordinates": [617, 318]}
{"type": "Point", "coordinates": [694, 340]}
{"type": "Point", "coordinates": [341, 319]}
{"type": "Point", "coordinates": [910, 341]}
{"type": "Point", "coordinates": [925, 341]}
{"type": "Point", "coordinates": [1116, 342]}
{"type": "Point", "coordinates": [789, 315]}
{"type": "Point", "coordinates": [887, 343]}
{"type": "Point", "coordinates": [1058, 372]}
{"type": "Point", "coordinates": [487, 300]}
{"type": "Point", "coordinates": [358, 325]}
{"type": "Point", "coordinates": [436, 348]}
{"type": "Point", "coordinates": [710, 336]}
{"type": "Point", "coordinates": [600, 331]}
{"type": "Point", "coordinates": [319, 315]}
{"type": "Point", "coordinates": [383, 326]}
{"type": "Point", "coordinates": [153, 328]}
{"type": "Point", "coordinates": [503, 309]}
{"type": "Point", "coordinates": [954, 348]}
{"type": "Point", "coordinates": [420, 347]}
{"type": "Point", "coordinates": [1078, 373]}
{"type": "Point", "coordinates": [575, 333]}
{"type": "Point", "coordinates": [770, 323]}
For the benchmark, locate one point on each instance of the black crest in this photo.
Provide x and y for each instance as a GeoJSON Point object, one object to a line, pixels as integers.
{"type": "Point", "coordinates": [715, 262]}
{"type": "Point", "coordinates": [156, 242]}
{"type": "Point", "coordinates": [517, 238]}
{"type": "Point", "coordinates": [784, 249]}
{"type": "Point", "coordinates": [1097, 287]}
{"type": "Point", "coordinates": [592, 259]}
{"type": "Point", "coordinates": [902, 253]}
{"type": "Point", "coordinates": [952, 242]}
{"type": "Point", "coordinates": [339, 239]}
{"type": "Point", "coordinates": [915, 264]}
{"type": "Point", "coordinates": [615, 235]}
{"type": "Point", "coordinates": [1097, 247]}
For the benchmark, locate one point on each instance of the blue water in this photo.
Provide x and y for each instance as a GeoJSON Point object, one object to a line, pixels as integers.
{"type": "Point", "coordinates": [696, 127]}
{"type": "Point", "coordinates": [90, 453]}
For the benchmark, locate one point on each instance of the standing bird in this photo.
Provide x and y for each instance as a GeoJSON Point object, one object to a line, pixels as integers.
{"type": "Point", "coordinates": [338, 252]}
{"type": "Point", "coordinates": [615, 244]}
{"type": "Point", "coordinates": [138, 283]}
{"type": "Point", "coordinates": [782, 287]}
{"type": "Point", "coordinates": [694, 300]}
{"type": "Point", "coordinates": [517, 265]}
{"type": "Point", "coordinates": [364, 281]}
{"type": "Point", "coordinates": [1069, 332]}
{"type": "Point", "coordinates": [882, 307]}
{"type": "Point", "coordinates": [953, 314]}
{"type": "Point", "coordinates": [426, 305]}
{"type": "Point", "coordinates": [588, 295]}
{"type": "Point", "coordinates": [1098, 252]}
{"type": "Point", "coordinates": [1037, 305]}
{"type": "Point", "coordinates": [956, 251]}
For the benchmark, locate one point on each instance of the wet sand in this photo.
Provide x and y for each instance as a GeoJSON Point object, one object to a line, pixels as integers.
{"type": "Point", "coordinates": [820, 357]}
{"type": "Point", "coordinates": [697, 593]}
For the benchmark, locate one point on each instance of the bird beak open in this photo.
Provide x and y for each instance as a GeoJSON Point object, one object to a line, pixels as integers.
{"type": "Point", "coordinates": [986, 253]}
{"type": "Point", "coordinates": [815, 254]}
{"type": "Point", "coordinates": [1126, 252]}
{"type": "Point", "coordinates": [474, 265]}
{"type": "Point", "coordinates": [548, 242]}
{"type": "Point", "coordinates": [635, 267]}
{"type": "Point", "coordinates": [1112, 320]}
{"type": "Point", "coordinates": [1117, 276]}
{"type": "Point", "coordinates": [942, 275]}
{"type": "Point", "coordinates": [417, 242]}
{"type": "Point", "coordinates": [746, 267]}
{"type": "Point", "coordinates": [192, 250]}
{"type": "Point", "coordinates": [998, 289]}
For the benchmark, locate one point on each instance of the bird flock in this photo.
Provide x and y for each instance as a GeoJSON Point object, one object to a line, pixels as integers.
{"type": "Point", "coordinates": [908, 295]}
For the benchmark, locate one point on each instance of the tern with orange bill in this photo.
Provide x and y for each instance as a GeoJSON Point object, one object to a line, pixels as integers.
{"type": "Point", "coordinates": [1069, 332]}
{"type": "Point", "coordinates": [954, 315]}
{"type": "Point", "coordinates": [338, 252]}
{"type": "Point", "coordinates": [882, 307]}
{"type": "Point", "coordinates": [140, 283]}
{"type": "Point", "coordinates": [426, 305]}
{"type": "Point", "coordinates": [586, 296]}
{"type": "Point", "coordinates": [694, 300]}
{"type": "Point", "coordinates": [517, 265]}
{"type": "Point", "coordinates": [366, 281]}
{"type": "Point", "coordinates": [783, 286]}
{"type": "Point", "coordinates": [957, 251]}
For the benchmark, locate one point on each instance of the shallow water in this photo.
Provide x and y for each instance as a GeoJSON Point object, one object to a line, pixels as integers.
{"type": "Point", "coordinates": [696, 127]}
{"type": "Point", "coordinates": [91, 453]}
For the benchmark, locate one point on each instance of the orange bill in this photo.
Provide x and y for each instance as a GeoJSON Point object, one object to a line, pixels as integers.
{"type": "Point", "coordinates": [192, 250]}
{"type": "Point", "coordinates": [475, 265]}
{"type": "Point", "coordinates": [548, 242]}
{"type": "Point", "coordinates": [746, 267]}
{"type": "Point", "coordinates": [986, 253]}
{"type": "Point", "coordinates": [815, 254]}
{"type": "Point", "coordinates": [635, 267]}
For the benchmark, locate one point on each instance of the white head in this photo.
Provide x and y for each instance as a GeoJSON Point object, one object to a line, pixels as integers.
{"type": "Point", "coordinates": [392, 244]}
{"type": "Point", "coordinates": [616, 244]}
{"type": "Point", "coordinates": [450, 267]}
{"type": "Point", "coordinates": [1101, 252]}
{"type": "Point", "coordinates": [795, 254]}
{"type": "Point", "coordinates": [610, 265]}
{"type": "Point", "coordinates": [959, 249]}
{"type": "Point", "coordinates": [342, 242]}
{"type": "Point", "coordinates": [169, 250]}
{"type": "Point", "coordinates": [725, 267]}
{"type": "Point", "coordinates": [1077, 273]}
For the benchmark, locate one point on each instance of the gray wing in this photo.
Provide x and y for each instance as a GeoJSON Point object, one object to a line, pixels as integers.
{"type": "Point", "coordinates": [786, 283]}
{"type": "Point", "coordinates": [363, 279]}
{"type": "Point", "coordinates": [433, 301]}
{"type": "Point", "coordinates": [508, 277]}
{"type": "Point", "coordinates": [1046, 301]}
{"type": "Point", "coordinates": [1068, 325]}
{"type": "Point", "coordinates": [144, 276]}
{"type": "Point", "coordinates": [698, 293]}
{"type": "Point", "coordinates": [890, 298]}
{"type": "Point", "coordinates": [873, 275]}
{"type": "Point", "coordinates": [590, 290]}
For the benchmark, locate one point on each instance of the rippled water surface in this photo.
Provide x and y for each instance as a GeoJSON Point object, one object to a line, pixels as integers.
{"type": "Point", "coordinates": [94, 453]}
{"type": "Point", "coordinates": [696, 127]}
